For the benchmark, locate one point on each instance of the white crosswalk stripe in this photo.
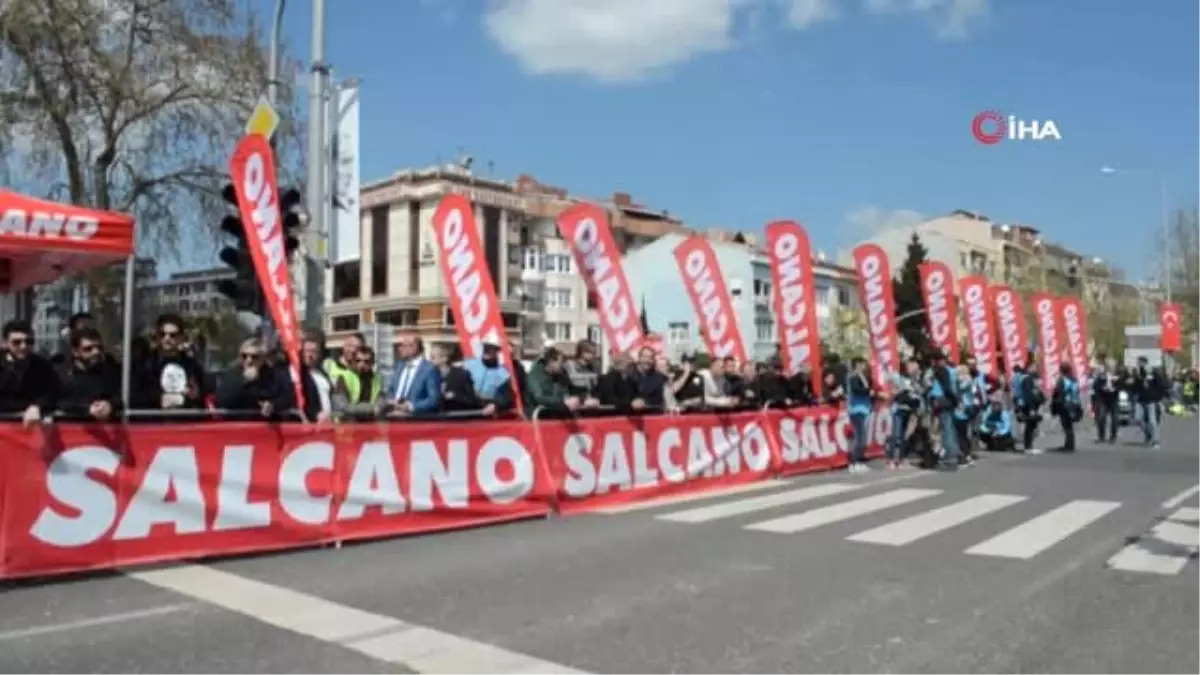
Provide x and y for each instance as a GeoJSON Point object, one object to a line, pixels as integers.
{"type": "Point", "coordinates": [844, 511]}
{"type": "Point", "coordinates": [740, 507]}
{"type": "Point", "coordinates": [1034, 536]}
{"type": "Point", "coordinates": [1178, 535]}
{"type": "Point", "coordinates": [908, 530]}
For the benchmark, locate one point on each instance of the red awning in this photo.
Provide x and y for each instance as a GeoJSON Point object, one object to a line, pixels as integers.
{"type": "Point", "coordinates": [41, 241]}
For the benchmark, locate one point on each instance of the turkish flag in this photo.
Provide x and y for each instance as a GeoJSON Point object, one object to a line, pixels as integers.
{"type": "Point", "coordinates": [1170, 316]}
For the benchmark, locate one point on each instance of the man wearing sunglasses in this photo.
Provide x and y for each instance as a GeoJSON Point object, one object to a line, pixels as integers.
{"type": "Point", "coordinates": [254, 386]}
{"type": "Point", "coordinates": [171, 379]}
{"type": "Point", "coordinates": [28, 384]}
{"type": "Point", "coordinates": [91, 381]}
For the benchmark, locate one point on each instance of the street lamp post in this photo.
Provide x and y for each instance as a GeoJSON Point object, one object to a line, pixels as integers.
{"type": "Point", "coordinates": [1164, 215]}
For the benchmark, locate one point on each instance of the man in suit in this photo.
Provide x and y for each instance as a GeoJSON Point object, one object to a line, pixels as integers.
{"type": "Point", "coordinates": [416, 384]}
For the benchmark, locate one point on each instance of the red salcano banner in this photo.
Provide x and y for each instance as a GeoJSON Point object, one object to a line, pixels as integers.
{"type": "Point", "coordinates": [789, 253]}
{"type": "Point", "coordinates": [1074, 320]}
{"type": "Point", "coordinates": [586, 231]}
{"type": "Point", "coordinates": [84, 497]}
{"type": "Point", "coordinates": [1014, 334]}
{"type": "Point", "coordinates": [981, 330]}
{"type": "Point", "coordinates": [1170, 320]}
{"type": "Point", "coordinates": [1045, 308]}
{"type": "Point", "coordinates": [875, 295]}
{"type": "Point", "coordinates": [710, 299]}
{"type": "Point", "coordinates": [941, 307]}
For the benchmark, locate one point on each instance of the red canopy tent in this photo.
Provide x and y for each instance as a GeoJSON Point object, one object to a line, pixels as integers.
{"type": "Point", "coordinates": [41, 241]}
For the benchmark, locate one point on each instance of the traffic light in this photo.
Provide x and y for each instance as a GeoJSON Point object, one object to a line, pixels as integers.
{"type": "Point", "coordinates": [243, 288]}
{"type": "Point", "coordinates": [292, 220]}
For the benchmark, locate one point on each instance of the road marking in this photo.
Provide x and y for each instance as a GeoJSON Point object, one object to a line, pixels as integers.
{"type": "Point", "coordinates": [1034, 536]}
{"type": "Point", "coordinates": [424, 650]}
{"type": "Point", "coordinates": [922, 525]}
{"type": "Point", "coordinates": [1180, 498]}
{"type": "Point", "coordinates": [839, 512]}
{"type": "Point", "coordinates": [689, 497]}
{"type": "Point", "coordinates": [1179, 530]}
{"type": "Point", "coordinates": [106, 620]}
{"type": "Point", "coordinates": [703, 514]}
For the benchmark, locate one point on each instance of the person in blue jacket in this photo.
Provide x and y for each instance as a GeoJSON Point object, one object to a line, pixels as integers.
{"type": "Point", "coordinates": [860, 400]}
{"type": "Point", "coordinates": [943, 399]}
{"type": "Point", "coordinates": [1067, 405]}
{"type": "Point", "coordinates": [996, 427]}
{"type": "Point", "coordinates": [965, 413]}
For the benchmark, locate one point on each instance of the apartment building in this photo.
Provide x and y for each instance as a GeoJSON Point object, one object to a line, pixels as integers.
{"type": "Point", "coordinates": [397, 280]}
{"type": "Point", "coordinates": [189, 294]}
{"type": "Point", "coordinates": [656, 283]}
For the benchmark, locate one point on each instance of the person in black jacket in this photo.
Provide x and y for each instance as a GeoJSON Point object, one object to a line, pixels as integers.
{"type": "Point", "coordinates": [1105, 397]}
{"type": "Point", "coordinates": [458, 389]}
{"type": "Point", "coordinates": [647, 384]}
{"type": "Point", "coordinates": [254, 385]}
{"type": "Point", "coordinates": [800, 388]}
{"type": "Point", "coordinates": [170, 379]}
{"type": "Point", "coordinates": [615, 388]}
{"type": "Point", "coordinates": [91, 382]}
{"type": "Point", "coordinates": [771, 387]}
{"type": "Point", "coordinates": [28, 383]}
{"type": "Point", "coordinates": [1148, 390]}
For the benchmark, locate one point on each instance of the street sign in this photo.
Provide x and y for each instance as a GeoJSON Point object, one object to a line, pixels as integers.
{"type": "Point", "coordinates": [264, 120]}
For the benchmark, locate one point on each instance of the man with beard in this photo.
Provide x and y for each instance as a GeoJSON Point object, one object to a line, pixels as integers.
{"type": "Point", "coordinates": [91, 382]}
{"type": "Point", "coordinates": [28, 383]}
{"type": "Point", "coordinates": [254, 386]}
{"type": "Point", "coordinates": [170, 379]}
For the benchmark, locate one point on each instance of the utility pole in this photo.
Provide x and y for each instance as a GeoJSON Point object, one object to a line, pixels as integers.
{"type": "Point", "coordinates": [274, 63]}
{"type": "Point", "coordinates": [317, 161]}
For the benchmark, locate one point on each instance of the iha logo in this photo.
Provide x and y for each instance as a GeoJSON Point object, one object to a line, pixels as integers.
{"type": "Point", "coordinates": [990, 127]}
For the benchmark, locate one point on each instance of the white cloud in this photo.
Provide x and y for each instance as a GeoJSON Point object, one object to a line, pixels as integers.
{"type": "Point", "coordinates": [628, 40]}
{"type": "Point", "coordinates": [868, 221]}
{"type": "Point", "coordinates": [952, 19]}
{"type": "Point", "coordinates": [804, 13]}
{"type": "Point", "coordinates": [609, 40]}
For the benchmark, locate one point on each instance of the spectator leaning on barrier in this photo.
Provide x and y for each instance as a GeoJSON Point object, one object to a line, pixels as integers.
{"type": "Point", "coordinates": [800, 387]}
{"type": "Point", "coordinates": [253, 385]}
{"type": "Point", "coordinates": [770, 385]}
{"type": "Point", "coordinates": [77, 321]}
{"type": "Point", "coordinates": [490, 381]}
{"type": "Point", "coordinates": [650, 388]}
{"type": "Point", "coordinates": [615, 387]}
{"type": "Point", "coordinates": [28, 384]}
{"type": "Point", "coordinates": [342, 365]}
{"type": "Point", "coordinates": [360, 385]}
{"type": "Point", "coordinates": [90, 381]}
{"type": "Point", "coordinates": [581, 370]}
{"type": "Point", "coordinates": [715, 387]}
{"type": "Point", "coordinates": [548, 387]}
{"type": "Point", "coordinates": [416, 386]}
{"type": "Point", "coordinates": [170, 379]}
{"type": "Point", "coordinates": [687, 386]}
{"type": "Point", "coordinates": [318, 389]}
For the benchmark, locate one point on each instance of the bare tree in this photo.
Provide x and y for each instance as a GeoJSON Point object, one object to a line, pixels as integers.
{"type": "Point", "coordinates": [1182, 242]}
{"type": "Point", "coordinates": [134, 106]}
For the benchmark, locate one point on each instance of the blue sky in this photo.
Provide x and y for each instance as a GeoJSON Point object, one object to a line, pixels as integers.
{"type": "Point", "coordinates": [847, 115]}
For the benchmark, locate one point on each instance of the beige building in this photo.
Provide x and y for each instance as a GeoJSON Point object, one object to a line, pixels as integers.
{"type": "Point", "coordinates": [543, 297]}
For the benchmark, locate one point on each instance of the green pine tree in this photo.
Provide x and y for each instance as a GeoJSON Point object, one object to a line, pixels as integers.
{"type": "Point", "coordinates": [910, 302]}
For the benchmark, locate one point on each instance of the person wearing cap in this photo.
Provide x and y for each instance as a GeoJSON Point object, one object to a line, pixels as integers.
{"type": "Point", "coordinates": [491, 380]}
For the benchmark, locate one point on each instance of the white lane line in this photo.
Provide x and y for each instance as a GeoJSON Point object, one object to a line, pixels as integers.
{"type": "Point", "coordinates": [922, 525]}
{"type": "Point", "coordinates": [690, 497]}
{"type": "Point", "coordinates": [1177, 534]}
{"type": "Point", "coordinates": [839, 512]}
{"type": "Point", "coordinates": [424, 650]}
{"type": "Point", "coordinates": [95, 622]}
{"type": "Point", "coordinates": [1038, 534]}
{"type": "Point", "coordinates": [704, 514]}
{"type": "Point", "coordinates": [1186, 514]}
{"type": "Point", "coordinates": [1180, 498]}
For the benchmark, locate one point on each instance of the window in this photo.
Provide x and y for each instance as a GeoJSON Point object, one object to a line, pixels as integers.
{"type": "Point", "coordinates": [762, 290]}
{"type": "Point", "coordinates": [677, 332]}
{"type": "Point", "coordinates": [491, 243]}
{"type": "Point", "coordinates": [592, 301]}
{"type": "Point", "coordinates": [593, 333]}
{"type": "Point", "coordinates": [764, 330]}
{"type": "Point", "coordinates": [559, 263]}
{"type": "Point", "coordinates": [558, 298]}
{"type": "Point", "coordinates": [963, 260]}
{"type": "Point", "coordinates": [558, 331]}
{"type": "Point", "coordinates": [397, 317]}
{"type": "Point", "coordinates": [843, 296]}
{"type": "Point", "coordinates": [414, 247]}
{"type": "Point", "coordinates": [379, 250]}
{"type": "Point", "coordinates": [344, 322]}
{"type": "Point", "coordinates": [347, 285]}
{"type": "Point", "coordinates": [531, 260]}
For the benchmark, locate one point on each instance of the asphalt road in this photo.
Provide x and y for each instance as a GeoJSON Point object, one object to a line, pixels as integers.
{"type": "Point", "coordinates": [793, 577]}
